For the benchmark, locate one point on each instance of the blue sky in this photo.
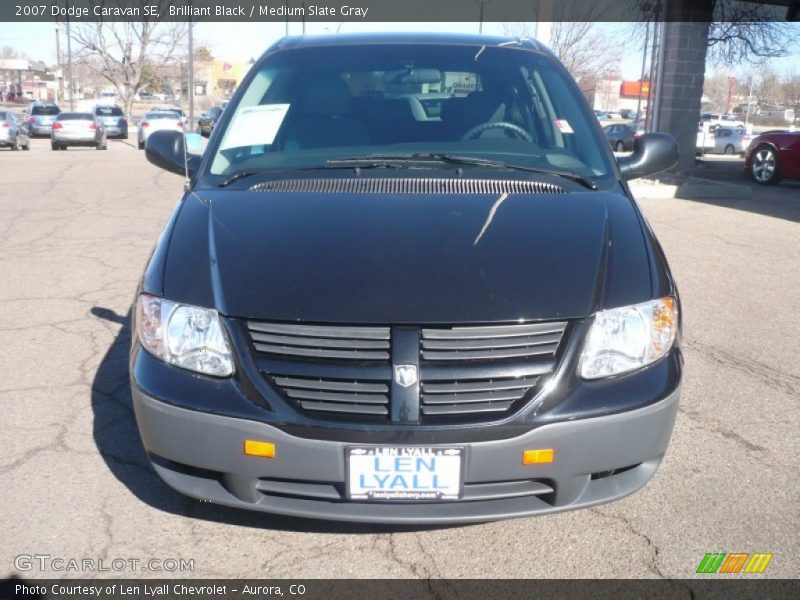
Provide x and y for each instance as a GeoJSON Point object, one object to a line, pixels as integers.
{"type": "Point", "coordinates": [242, 41]}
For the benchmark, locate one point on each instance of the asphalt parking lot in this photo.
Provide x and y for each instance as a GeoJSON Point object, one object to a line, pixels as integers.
{"type": "Point", "coordinates": [76, 229]}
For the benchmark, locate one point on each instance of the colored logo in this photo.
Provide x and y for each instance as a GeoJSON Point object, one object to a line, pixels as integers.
{"type": "Point", "coordinates": [734, 562]}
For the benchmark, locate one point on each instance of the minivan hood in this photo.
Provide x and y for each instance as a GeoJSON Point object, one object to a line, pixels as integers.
{"type": "Point", "coordinates": [407, 259]}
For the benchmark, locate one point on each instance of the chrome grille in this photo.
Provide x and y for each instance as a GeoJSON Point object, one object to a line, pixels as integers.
{"type": "Point", "coordinates": [317, 341]}
{"type": "Point", "coordinates": [324, 368]}
{"type": "Point", "coordinates": [520, 355]}
{"type": "Point", "coordinates": [353, 397]}
{"type": "Point", "coordinates": [492, 342]}
{"type": "Point", "coordinates": [465, 373]}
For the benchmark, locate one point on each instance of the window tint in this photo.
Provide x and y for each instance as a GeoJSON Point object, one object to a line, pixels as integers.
{"type": "Point", "coordinates": [108, 111]}
{"type": "Point", "coordinates": [44, 110]}
{"type": "Point", "coordinates": [162, 115]}
{"type": "Point", "coordinates": [75, 117]}
{"type": "Point", "coordinates": [306, 106]}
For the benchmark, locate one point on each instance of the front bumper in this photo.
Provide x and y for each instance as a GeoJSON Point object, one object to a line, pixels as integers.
{"type": "Point", "coordinates": [597, 460]}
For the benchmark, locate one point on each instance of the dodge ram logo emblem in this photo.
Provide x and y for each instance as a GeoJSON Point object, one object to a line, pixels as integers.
{"type": "Point", "coordinates": [405, 375]}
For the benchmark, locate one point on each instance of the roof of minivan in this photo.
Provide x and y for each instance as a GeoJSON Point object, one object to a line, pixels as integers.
{"type": "Point", "coordinates": [357, 39]}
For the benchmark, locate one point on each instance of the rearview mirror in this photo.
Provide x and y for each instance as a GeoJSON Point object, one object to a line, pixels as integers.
{"type": "Point", "coordinates": [166, 149]}
{"type": "Point", "coordinates": [652, 153]}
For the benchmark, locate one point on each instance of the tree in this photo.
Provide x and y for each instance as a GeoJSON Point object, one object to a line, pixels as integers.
{"type": "Point", "coordinates": [129, 54]}
{"type": "Point", "coordinates": [586, 50]}
{"type": "Point", "coordinates": [747, 32]}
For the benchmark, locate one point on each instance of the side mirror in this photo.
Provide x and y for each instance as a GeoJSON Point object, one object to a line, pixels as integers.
{"type": "Point", "coordinates": [166, 149]}
{"type": "Point", "coordinates": [652, 153]}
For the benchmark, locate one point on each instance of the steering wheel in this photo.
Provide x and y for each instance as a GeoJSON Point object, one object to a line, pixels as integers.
{"type": "Point", "coordinates": [478, 130]}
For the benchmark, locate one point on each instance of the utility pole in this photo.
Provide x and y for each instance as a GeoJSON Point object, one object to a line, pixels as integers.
{"type": "Point", "coordinates": [750, 95]}
{"type": "Point", "coordinates": [69, 66]}
{"type": "Point", "coordinates": [59, 65]}
{"type": "Point", "coordinates": [644, 66]}
{"type": "Point", "coordinates": [191, 76]}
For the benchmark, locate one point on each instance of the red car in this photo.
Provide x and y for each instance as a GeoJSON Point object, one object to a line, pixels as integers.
{"type": "Point", "coordinates": [773, 156]}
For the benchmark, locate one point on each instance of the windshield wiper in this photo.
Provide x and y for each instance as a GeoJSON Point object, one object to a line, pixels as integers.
{"type": "Point", "coordinates": [498, 164]}
{"type": "Point", "coordinates": [400, 161]}
{"type": "Point", "coordinates": [439, 157]}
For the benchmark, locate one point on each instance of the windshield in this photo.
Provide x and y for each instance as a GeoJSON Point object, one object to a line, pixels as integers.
{"type": "Point", "coordinates": [306, 107]}
{"type": "Point", "coordinates": [162, 115]}
{"type": "Point", "coordinates": [44, 110]}
{"type": "Point", "coordinates": [75, 117]}
{"type": "Point", "coordinates": [108, 111]}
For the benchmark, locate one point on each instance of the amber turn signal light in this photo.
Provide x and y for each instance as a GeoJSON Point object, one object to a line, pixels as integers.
{"type": "Point", "coordinates": [538, 457]}
{"type": "Point", "coordinates": [260, 449]}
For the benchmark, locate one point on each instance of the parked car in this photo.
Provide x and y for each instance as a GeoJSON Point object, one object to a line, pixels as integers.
{"type": "Point", "coordinates": [13, 133]}
{"type": "Point", "coordinates": [113, 120]}
{"type": "Point", "coordinates": [601, 115]}
{"type": "Point", "coordinates": [156, 121]}
{"type": "Point", "coordinates": [78, 129]}
{"type": "Point", "coordinates": [627, 113]}
{"type": "Point", "coordinates": [622, 136]}
{"type": "Point", "coordinates": [706, 141]}
{"type": "Point", "coordinates": [357, 315]}
{"type": "Point", "coordinates": [774, 156]}
{"type": "Point", "coordinates": [170, 108]}
{"type": "Point", "coordinates": [208, 120]}
{"type": "Point", "coordinates": [729, 140]}
{"type": "Point", "coordinates": [41, 118]}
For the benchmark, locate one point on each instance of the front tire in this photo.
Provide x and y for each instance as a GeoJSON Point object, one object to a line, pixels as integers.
{"type": "Point", "coordinates": [141, 145]}
{"type": "Point", "coordinates": [729, 149]}
{"type": "Point", "coordinates": [764, 166]}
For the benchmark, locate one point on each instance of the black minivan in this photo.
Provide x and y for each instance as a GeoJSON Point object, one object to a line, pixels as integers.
{"type": "Point", "coordinates": [407, 283]}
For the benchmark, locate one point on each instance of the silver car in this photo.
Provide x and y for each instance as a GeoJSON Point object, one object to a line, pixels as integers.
{"type": "Point", "coordinates": [78, 129]}
{"type": "Point", "coordinates": [156, 121]}
{"type": "Point", "coordinates": [729, 140]}
{"type": "Point", "coordinates": [13, 133]}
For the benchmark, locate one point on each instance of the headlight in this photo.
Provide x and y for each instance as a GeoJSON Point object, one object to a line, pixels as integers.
{"type": "Point", "coordinates": [628, 338]}
{"type": "Point", "coordinates": [185, 336]}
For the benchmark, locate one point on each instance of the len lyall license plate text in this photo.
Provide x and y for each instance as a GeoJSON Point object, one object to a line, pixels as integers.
{"type": "Point", "coordinates": [404, 474]}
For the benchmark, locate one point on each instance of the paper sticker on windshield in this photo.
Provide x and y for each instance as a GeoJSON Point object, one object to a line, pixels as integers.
{"type": "Point", "coordinates": [563, 126]}
{"type": "Point", "coordinates": [255, 125]}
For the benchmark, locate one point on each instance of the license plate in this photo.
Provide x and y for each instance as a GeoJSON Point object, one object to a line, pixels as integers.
{"type": "Point", "coordinates": [404, 474]}
{"type": "Point", "coordinates": [47, 121]}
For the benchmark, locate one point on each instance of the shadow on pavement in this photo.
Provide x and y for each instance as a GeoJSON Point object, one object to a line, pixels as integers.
{"type": "Point", "coordinates": [117, 440]}
{"type": "Point", "coordinates": [724, 184]}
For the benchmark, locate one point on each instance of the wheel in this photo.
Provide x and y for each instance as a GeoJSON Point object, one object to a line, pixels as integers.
{"type": "Point", "coordinates": [15, 144]}
{"type": "Point", "coordinates": [54, 146]}
{"type": "Point", "coordinates": [141, 145]}
{"type": "Point", "coordinates": [764, 167]}
{"type": "Point", "coordinates": [620, 147]}
{"type": "Point", "coordinates": [729, 149]}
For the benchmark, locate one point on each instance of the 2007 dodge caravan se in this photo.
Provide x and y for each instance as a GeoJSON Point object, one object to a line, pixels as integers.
{"type": "Point", "coordinates": [407, 283]}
